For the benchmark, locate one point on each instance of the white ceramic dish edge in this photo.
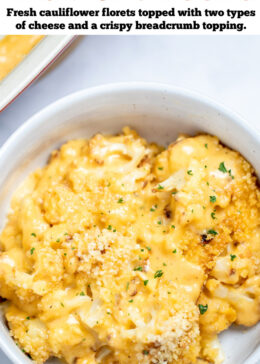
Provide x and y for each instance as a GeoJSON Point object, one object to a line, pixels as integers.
{"type": "Point", "coordinates": [34, 64]}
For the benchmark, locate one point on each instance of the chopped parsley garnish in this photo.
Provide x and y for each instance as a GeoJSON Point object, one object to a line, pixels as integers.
{"type": "Point", "coordinates": [203, 309]}
{"type": "Point", "coordinates": [62, 304]}
{"type": "Point", "coordinates": [159, 222]}
{"type": "Point", "coordinates": [142, 250]}
{"type": "Point", "coordinates": [190, 172]}
{"type": "Point", "coordinates": [28, 318]}
{"type": "Point", "coordinates": [158, 273]}
{"type": "Point", "coordinates": [213, 215]}
{"type": "Point", "coordinates": [58, 240]}
{"type": "Point", "coordinates": [160, 187]}
{"type": "Point", "coordinates": [232, 257]}
{"type": "Point", "coordinates": [32, 250]}
{"type": "Point", "coordinates": [205, 166]}
{"type": "Point", "coordinates": [127, 286]}
{"type": "Point", "coordinates": [212, 232]}
{"type": "Point", "coordinates": [138, 268]}
{"type": "Point", "coordinates": [120, 200]}
{"type": "Point", "coordinates": [164, 264]}
{"type": "Point", "coordinates": [153, 208]}
{"type": "Point", "coordinates": [174, 192]}
{"type": "Point", "coordinates": [213, 198]}
{"type": "Point", "coordinates": [206, 146]}
{"type": "Point", "coordinates": [146, 352]}
{"type": "Point", "coordinates": [148, 248]}
{"type": "Point", "coordinates": [33, 234]}
{"type": "Point", "coordinates": [66, 234]}
{"type": "Point", "coordinates": [160, 168]}
{"type": "Point", "coordinates": [109, 227]}
{"type": "Point", "coordinates": [82, 293]}
{"type": "Point", "coordinates": [230, 173]}
{"type": "Point", "coordinates": [114, 230]}
{"type": "Point", "coordinates": [174, 251]}
{"type": "Point", "coordinates": [173, 226]}
{"type": "Point", "coordinates": [65, 254]}
{"type": "Point", "coordinates": [222, 167]}
{"type": "Point", "coordinates": [146, 282]}
{"type": "Point", "coordinates": [131, 301]}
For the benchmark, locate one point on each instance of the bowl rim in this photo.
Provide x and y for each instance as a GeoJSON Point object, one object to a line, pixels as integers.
{"type": "Point", "coordinates": [39, 118]}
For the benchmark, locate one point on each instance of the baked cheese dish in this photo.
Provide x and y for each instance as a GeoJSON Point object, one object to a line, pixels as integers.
{"type": "Point", "coordinates": [119, 251]}
{"type": "Point", "coordinates": [13, 49]}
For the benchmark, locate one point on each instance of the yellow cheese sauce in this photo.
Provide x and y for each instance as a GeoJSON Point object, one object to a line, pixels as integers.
{"type": "Point", "coordinates": [13, 49]}
{"type": "Point", "coordinates": [120, 252]}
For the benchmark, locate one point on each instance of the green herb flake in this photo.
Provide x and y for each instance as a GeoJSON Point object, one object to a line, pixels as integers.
{"type": "Point", "coordinates": [146, 352]}
{"type": "Point", "coordinates": [148, 248]}
{"type": "Point", "coordinates": [213, 215]}
{"type": "Point", "coordinates": [159, 222]}
{"type": "Point", "coordinates": [127, 286]}
{"type": "Point", "coordinates": [203, 309]}
{"type": "Point", "coordinates": [212, 232]}
{"type": "Point", "coordinates": [120, 200]}
{"type": "Point", "coordinates": [33, 234]}
{"type": "Point", "coordinates": [174, 251]}
{"type": "Point", "coordinates": [146, 282]}
{"type": "Point", "coordinates": [206, 146]}
{"type": "Point", "coordinates": [173, 226]}
{"type": "Point", "coordinates": [158, 273]}
{"type": "Point", "coordinates": [62, 304]}
{"type": "Point", "coordinates": [160, 168]}
{"type": "Point", "coordinates": [28, 318]}
{"type": "Point", "coordinates": [232, 257]}
{"type": "Point", "coordinates": [32, 250]}
{"type": "Point", "coordinates": [212, 199]}
{"type": "Point", "coordinates": [131, 301]}
{"type": "Point", "coordinates": [164, 264]}
{"type": "Point", "coordinates": [160, 187]}
{"type": "Point", "coordinates": [222, 167]}
{"type": "Point", "coordinates": [140, 269]}
{"type": "Point", "coordinates": [65, 254]}
{"type": "Point", "coordinates": [190, 173]}
{"type": "Point", "coordinates": [82, 293]}
{"type": "Point", "coordinates": [174, 192]}
{"type": "Point", "coordinates": [230, 173]}
{"type": "Point", "coordinates": [58, 240]}
{"type": "Point", "coordinates": [109, 227]}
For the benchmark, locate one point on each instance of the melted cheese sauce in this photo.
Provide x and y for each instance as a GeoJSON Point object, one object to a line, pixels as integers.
{"type": "Point", "coordinates": [121, 252]}
{"type": "Point", "coordinates": [13, 49]}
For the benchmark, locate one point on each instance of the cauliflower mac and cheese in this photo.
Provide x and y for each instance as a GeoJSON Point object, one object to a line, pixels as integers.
{"type": "Point", "coordinates": [119, 251]}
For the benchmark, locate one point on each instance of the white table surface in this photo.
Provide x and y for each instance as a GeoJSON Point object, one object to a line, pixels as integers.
{"type": "Point", "coordinates": [225, 68]}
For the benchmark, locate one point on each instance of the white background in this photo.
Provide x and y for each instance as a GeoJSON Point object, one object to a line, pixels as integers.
{"type": "Point", "coordinates": [225, 68]}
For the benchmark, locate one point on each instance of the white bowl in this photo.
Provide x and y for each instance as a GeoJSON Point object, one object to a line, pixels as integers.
{"type": "Point", "coordinates": [157, 112]}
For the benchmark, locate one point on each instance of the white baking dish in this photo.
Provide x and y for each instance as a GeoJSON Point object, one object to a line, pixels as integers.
{"type": "Point", "coordinates": [159, 113]}
{"type": "Point", "coordinates": [33, 65]}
